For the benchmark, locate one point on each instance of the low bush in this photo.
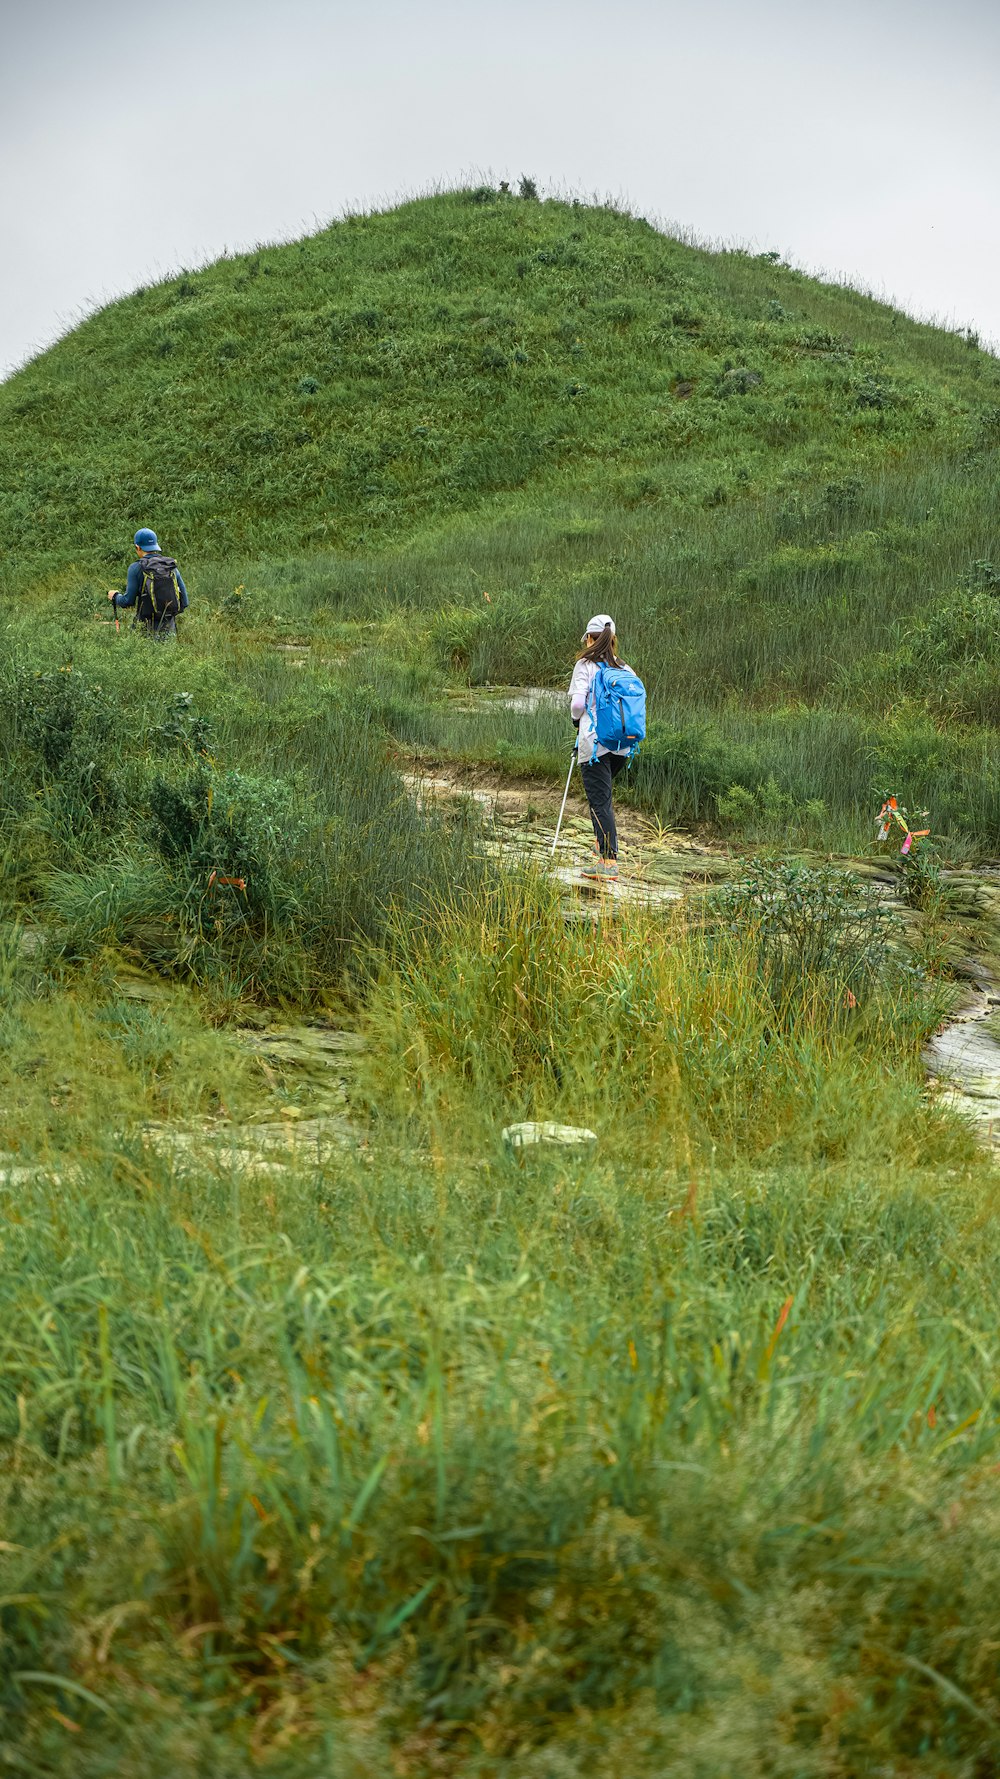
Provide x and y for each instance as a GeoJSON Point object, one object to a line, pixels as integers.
{"type": "Point", "coordinates": [683, 772]}
{"type": "Point", "coordinates": [818, 933]}
{"type": "Point", "coordinates": [124, 818]}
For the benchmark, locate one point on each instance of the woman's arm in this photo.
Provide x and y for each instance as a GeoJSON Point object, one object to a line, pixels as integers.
{"type": "Point", "coordinates": [579, 686]}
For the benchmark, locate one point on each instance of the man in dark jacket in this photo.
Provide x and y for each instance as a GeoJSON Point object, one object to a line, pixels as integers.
{"type": "Point", "coordinates": [154, 586]}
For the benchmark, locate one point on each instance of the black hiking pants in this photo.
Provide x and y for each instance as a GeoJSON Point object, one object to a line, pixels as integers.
{"type": "Point", "coordinates": [598, 778]}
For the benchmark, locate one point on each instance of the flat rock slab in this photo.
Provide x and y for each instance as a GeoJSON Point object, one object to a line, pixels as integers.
{"type": "Point", "coordinates": [304, 1045]}
{"type": "Point", "coordinates": [526, 700]}
{"type": "Point", "coordinates": [566, 1136]}
{"type": "Point", "coordinates": [621, 889]}
{"type": "Point", "coordinates": [658, 866]}
{"type": "Point", "coordinates": [968, 1056]}
{"type": "Point", "coordinates": [965, 1058]}
{"type": "Point", "coordinates": [27, 1174]}
{"type": "Point", "coordinates": [254, 1147]}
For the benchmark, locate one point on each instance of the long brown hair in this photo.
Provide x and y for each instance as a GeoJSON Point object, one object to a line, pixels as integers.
{"type": "Point", "coordinates": [600, 648]}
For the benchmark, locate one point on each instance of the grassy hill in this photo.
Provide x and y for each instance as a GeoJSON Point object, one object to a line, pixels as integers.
{"type": "Point", "coordinates": [337, 1436]}
{"type": "Point", "coordinates": [400, 368]}
{"type": "Point", "coordinates": [785, 491]}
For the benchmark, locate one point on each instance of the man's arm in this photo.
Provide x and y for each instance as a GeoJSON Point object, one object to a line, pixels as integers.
{"type": "Point", "coordinates": [132, 585]}
{"type": "Point", "coordinates": [182, 591]}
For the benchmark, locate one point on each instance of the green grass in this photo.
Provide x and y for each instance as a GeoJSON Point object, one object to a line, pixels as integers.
{"type": "Point", "coordinates": [129, 796]}
{"type": "Point", "coordinates": [472, 1465]}
{"type": "Point", "coordinates": [402, 368]}
{"type": "Point", "coordinates": [673, 1455]}
{"type": "Point", "coordinates": [526, 411]}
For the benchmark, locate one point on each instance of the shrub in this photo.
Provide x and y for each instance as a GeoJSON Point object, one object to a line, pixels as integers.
{"type": "Point", "coordinates": [60, 713]}
{"type": "Point", "coordinates": [816, 927]}
{"type": "Point", "coordinates": [842, 499]}
{"type": "Point", "coordinates": [242, 827]}
{"type": "Point", "coordinates": [770, 812]}
{"type": "Point", "coordinates": [875, 392]}
{"type": "Point", "coordinates": [65, 732]}
{"type": "Point", "coordinates": [922, 885]}
{"type": "Point", "coordinates": [738, 808]}
{"type": "Point", "coordinates": [684, 771]}
{"type": "Point", "coordinates": [982, 577]}
{"type": "Point", "coordinates": [183, 727]}
{"type": "Point", "coordinates": [738, 381]}
{"type": "Point", "coordinates": [823, 343]}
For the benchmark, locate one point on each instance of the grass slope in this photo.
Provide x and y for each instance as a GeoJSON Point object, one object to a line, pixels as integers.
{"type": "Point", "coordinates": [408, 366]}
{"type": "Point", "coordinates": [785, 491]}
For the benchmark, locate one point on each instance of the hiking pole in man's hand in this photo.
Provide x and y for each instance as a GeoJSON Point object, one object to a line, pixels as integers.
{"type": "Point", "coordinates": [562, 812]}
{"type": "Point", "coordinates": [113, 596]}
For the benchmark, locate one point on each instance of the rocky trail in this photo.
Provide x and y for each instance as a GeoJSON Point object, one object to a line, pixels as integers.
{"type": "Point", "coordinates": [658, 865]}
{"type": "Point", "coordinates": [518, 820]}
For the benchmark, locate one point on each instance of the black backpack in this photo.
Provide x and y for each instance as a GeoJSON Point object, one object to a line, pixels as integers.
{"type": "Point", "coordinates": [159, 595]}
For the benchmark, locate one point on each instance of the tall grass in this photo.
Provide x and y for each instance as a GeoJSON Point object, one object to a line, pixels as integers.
{"type": "Point", "coordinates": [238, 826]}
{"type": "Point", "coordinates": [813, 669]}
{"type": "Point", "coordinates": [807, 651]}
{"type": "Point", "coordinates": [733, 1038]}
{"type": "Point", "coordinates": [680, 1447]}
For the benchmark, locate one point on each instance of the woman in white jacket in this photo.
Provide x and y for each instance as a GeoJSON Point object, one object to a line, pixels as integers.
{"type": "Point", "coordinates": [599, 766]}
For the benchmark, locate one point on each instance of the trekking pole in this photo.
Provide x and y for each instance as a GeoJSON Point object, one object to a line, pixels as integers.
{"type": "Point", "coordinates": [562, 812]}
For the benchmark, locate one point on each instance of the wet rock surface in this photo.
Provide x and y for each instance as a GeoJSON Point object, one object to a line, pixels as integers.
{"type": "Point", "coordinates": [964, 1058]}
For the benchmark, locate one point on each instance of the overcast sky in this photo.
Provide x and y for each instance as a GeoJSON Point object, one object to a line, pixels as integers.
{"type": "Point", "coordinates": [858, 137]}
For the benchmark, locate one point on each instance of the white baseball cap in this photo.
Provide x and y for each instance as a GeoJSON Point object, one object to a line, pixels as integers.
{"type": "Point", "coordinates": [601, 622]}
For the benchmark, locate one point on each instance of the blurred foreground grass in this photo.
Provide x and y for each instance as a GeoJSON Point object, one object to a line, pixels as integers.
{"type": "Point", "coordinates": [672, 1455]}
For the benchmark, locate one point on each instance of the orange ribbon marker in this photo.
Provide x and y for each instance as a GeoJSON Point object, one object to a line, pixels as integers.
{"type": "Point", "coordinates": [890, 813]}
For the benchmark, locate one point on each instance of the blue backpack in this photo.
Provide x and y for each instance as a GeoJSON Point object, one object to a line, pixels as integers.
{"type": "Point", "coordinates": [619, 708]}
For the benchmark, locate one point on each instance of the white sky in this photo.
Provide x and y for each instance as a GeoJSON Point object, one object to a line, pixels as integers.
{"type": "Point", "coordinates": [858, 137]}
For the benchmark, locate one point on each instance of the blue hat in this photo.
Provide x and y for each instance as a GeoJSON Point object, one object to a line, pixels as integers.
{"type": "Point", "coordinates": [145, 539]}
